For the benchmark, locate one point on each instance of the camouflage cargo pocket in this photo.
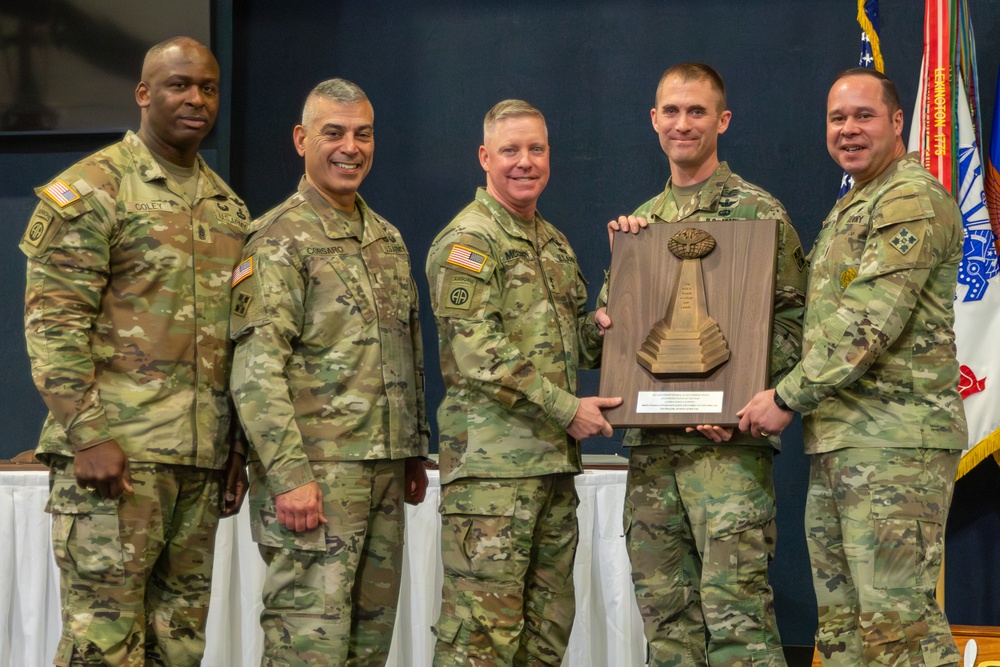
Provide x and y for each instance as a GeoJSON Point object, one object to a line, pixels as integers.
{"type": "Point", "coordinates": [476, 529]}
{"type": "Point", "coordinates": [295, 580]}
{"type": "Point", "coordinates": [908, 534]}
{"type": "Point", "coordinates": [449, 628]}
{"type": "Point", "coordinates": [741, 532]}
{"type": "Point", "coordinates": [86, 538]}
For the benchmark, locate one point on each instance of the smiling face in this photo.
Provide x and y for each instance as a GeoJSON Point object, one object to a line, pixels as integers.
{"type": "Point", "coordinates": [179, 98]}
{"type": "Point", "coordinates": [515, 157]}
{"type": "Point", "coordinates": [863, 135]}
{"type": "Point", "coordinates": [688, 118]}
{"type": "Point", "coordinates": [338, 146]}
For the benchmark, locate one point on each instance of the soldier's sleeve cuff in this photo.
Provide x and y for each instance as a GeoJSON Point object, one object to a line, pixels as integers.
{"type": "Point", "coordinates": [592, 337]}
{"type": "Point", "coordinates": [564, 408]}
{"type": "Point", "coordinates": [237, 438]}
{"type": "Point", "coordinates": [88, 434]}
{"type": "Point", "coordinates": [290, 476]}
{"type": "Point", "coordinates": [602, 297]}
{"type": "Point", "coordinates": [791, 391]}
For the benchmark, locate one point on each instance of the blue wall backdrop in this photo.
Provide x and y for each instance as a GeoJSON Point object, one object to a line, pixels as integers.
{"type": "Point", "coordinates": [432, 68]}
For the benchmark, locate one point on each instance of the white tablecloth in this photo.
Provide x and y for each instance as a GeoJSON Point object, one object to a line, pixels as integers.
{"type": "Point", "coordinates": [607, 633]}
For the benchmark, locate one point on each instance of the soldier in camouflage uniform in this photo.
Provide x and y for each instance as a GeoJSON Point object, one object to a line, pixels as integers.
{"type": "Point", "coordinates": [699, 514]}
{"type": "Point", "coordinates": [877, 386]}
{"type": "Point", "coordinates": [130, 252]}
{"type": "Point", "coordinates": [510, 304]}
{"type": "Point", "coordinates": [329, 383]}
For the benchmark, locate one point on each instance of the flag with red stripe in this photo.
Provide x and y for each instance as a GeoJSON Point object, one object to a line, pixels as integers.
{"type": "Point", "coordinates": [945, 131]}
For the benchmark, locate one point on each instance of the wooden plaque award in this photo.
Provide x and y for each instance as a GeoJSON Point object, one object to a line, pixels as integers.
{"type": "Point", "coordinates": [691, 306]}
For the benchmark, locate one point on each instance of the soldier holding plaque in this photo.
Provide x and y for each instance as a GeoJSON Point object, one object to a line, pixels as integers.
{"type": "Point", "coordinates": [699, 511]}
{"type": "Point", "coordinates": [878, 390]}
{"type": "Point", "coordinates": [511, 310]}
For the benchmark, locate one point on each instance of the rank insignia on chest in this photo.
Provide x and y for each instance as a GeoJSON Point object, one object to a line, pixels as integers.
{"type": "Point", "coordinates": [848, 276]}
{"type": "Point", "coordinates": [202, 233]}
{"type": "Point", "coordinates": [904, 241]}
{"type": "Point", "coordinates": [241, 303]}
{"type": "Point", "coordinates": [466, 258]}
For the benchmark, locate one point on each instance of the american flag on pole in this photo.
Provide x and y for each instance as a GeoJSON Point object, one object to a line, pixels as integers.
{"type": "Point", "coordinates": [945, 132]}
{"type": "Point", "coordinates": [871, 56]}
{"type": "Point", "coordinates": [991, 180]}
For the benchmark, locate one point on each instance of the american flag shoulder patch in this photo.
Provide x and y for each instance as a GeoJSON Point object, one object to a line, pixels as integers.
{"type": "Point", "coordinates": [242, 272]}
{"type": "Point", "coordinates": [466, 258]}
{"type": "Point", "coordinates": [61, 193]}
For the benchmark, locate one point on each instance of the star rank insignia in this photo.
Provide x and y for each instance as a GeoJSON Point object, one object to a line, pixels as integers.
{"type": "Point", "coordinates": [904, 241]}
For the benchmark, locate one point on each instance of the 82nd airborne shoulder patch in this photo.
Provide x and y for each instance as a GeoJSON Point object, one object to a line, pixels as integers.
{"type": "Point", "coordinates": [460, 292]}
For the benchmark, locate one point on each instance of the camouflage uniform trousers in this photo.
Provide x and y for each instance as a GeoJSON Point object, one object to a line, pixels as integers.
{"type": "Point", "coordinates": [508, 547]}
{"type": "Point", "coordinates": [135, 573]}
{"type": "Point", "coordinates": [338, 607]}
{"type": "Point", "coordinates": [699, 528]}
{"type": "Point", "coordinates": [874, 522]}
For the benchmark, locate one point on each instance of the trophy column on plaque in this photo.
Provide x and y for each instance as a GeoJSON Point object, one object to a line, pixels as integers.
{"type": "Point", "coordinates": [687, 340]}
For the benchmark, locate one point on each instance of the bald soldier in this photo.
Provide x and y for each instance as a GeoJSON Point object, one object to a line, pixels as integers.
{"type": "Point", "coordinates": [329, 382]}
{"type": "Point", "coordinates": [510, 305]}
{"type": "Point", "coordinates": [130, 253]}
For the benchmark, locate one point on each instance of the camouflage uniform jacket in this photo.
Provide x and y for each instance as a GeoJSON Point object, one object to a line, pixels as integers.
{"type": "Point", "coordinates": [329, 359]}
{"type": "Point", "coordinates": [726, 196]}
{"type": "Point", "coordinates": [878, 362]}
{"type": "Point", "coordinates": [511, 309]}
{"type": "Point", "coordinates": [127, 308]}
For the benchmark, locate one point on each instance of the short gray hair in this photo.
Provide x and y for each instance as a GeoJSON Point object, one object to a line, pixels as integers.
{"type": "Point", "coordinates": [508, 109]}
{"type": "Point", "coordinates": [339, 90]}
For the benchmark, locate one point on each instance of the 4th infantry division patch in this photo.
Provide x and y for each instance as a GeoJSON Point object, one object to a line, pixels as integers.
{"type": "Point", "coordinates": [904, 241]}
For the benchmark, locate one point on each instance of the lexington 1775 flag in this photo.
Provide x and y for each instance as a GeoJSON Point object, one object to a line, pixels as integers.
{"type": "Point", "coordinates": [944, 130]}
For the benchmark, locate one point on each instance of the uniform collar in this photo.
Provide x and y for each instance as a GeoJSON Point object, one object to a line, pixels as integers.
{"type": "Point", "coordinates": [514, 224]}
{"type": "Point", "coordinates": [334, 224]}
{"type": "Point", "coordinates": [149, 169]}
{"type": "Point", "coordinates": [871, 187]}
{"type": "Point", "coordinates": [707, 200]}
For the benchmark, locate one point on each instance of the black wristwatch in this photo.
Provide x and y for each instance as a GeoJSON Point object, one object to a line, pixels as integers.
{"type": "Point", "coordinates": [780, 402]}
